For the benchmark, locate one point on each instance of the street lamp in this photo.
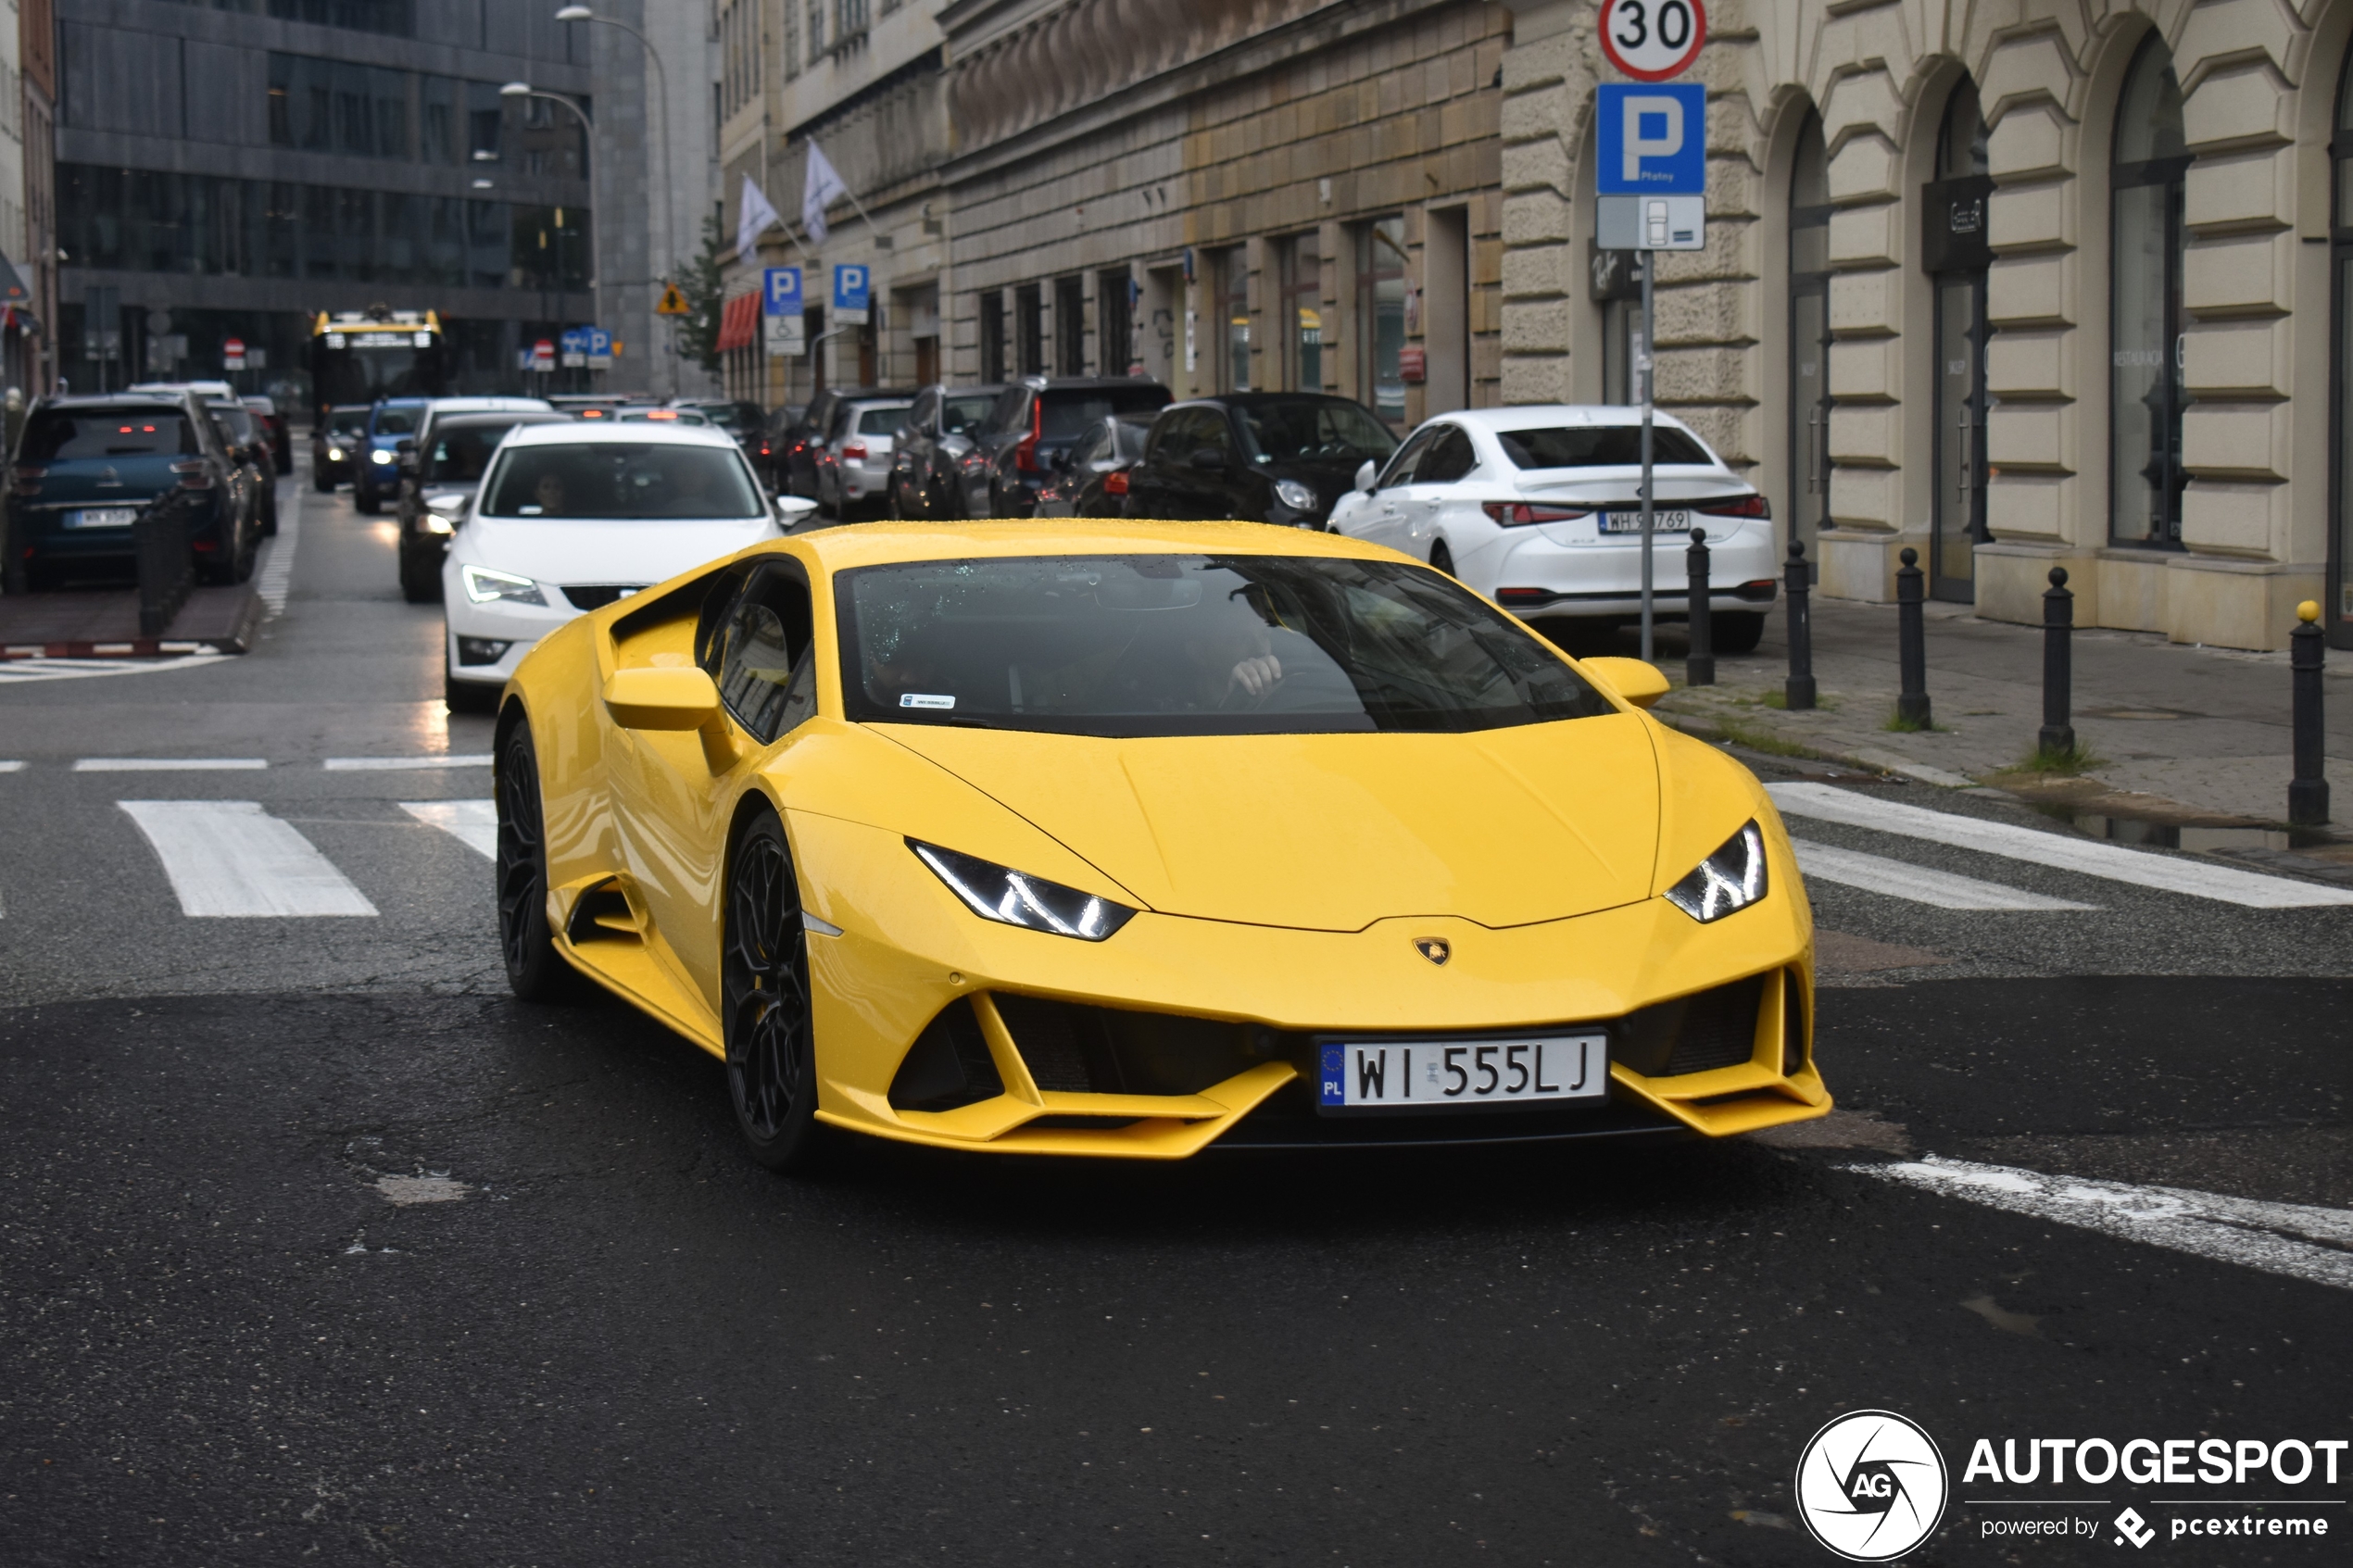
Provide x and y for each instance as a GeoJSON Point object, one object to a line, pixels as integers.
{"type": "Point", "coordinates": [661, 90]}
{"type": "Point", "coordinates": [519, 90]}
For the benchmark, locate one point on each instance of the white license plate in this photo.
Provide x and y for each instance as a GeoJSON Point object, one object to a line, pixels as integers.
{"type": "Point", "coordinates": [1451, 1075]}
{"type": "Point", "coordinates": [1677, 522]}
{"type": "Point", "coordinates": [103, 517]}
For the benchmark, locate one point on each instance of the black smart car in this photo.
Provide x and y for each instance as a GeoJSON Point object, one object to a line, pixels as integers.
{"type": "Point", "coordinates": [1267, 456]}
{"type": "Point", "coordinates": [88, 466]}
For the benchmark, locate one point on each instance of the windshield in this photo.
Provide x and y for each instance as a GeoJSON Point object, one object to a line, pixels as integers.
{"type": "Point", "coordinates": [395, 421]}
{"type": "Point", "coordinates": [1598, 447]}
{"type": "Point", "coordinates": [461, 452]}
{"type": "Point", "coordinates": [728, 416]}
{"type": "Point", "coordinates": [1314, 429]}
{"type": "Point", "coordinates": [1167, 644]}
{"type": "Point", "coordinates": [882, 421]}
{"type": "Point", "coordinates": [962, 415]}
{"type": "Point", "coordinates": [348, 421]}
{"type": "Point", "coordinates": [61, 437]}
{"type": "Point", "coordinates": [1066, 414]}
{"type": "Point", "coordinates": [623, 479]}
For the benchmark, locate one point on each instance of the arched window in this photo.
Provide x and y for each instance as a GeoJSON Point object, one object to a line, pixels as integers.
{"type": "Point", "coordinates": [1809, 335]}
{"type": "Point", "coordinates": [1955, 253]}
{"type": "Point", "coordinates": [2146, 395]}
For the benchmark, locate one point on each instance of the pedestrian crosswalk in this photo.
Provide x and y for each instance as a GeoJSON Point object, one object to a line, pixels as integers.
{"type": "Point", "coordinates": [230, 857]}
{"type": "Point", "coordinates": [1918, 884]}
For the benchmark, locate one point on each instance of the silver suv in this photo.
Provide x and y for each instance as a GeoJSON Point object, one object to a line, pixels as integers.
{"type": "Point", "coordinates": [853, 473]}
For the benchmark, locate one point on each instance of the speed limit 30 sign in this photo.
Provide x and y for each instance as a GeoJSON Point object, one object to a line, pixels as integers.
{"type": "Point", "coordinates": [1653, 40]}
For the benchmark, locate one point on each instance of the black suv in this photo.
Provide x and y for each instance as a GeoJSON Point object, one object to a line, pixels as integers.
{"type": "Point", "coordinates": [926, 466]}
{"type": "Point", "coordinates": [1265, 457]}
{"type": "Point", "coordinates": [1035, 419]}
{"type": "Point", "coordinates": [88, 467]}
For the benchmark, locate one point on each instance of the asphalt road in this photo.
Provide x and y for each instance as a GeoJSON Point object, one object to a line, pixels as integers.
{"type": "Point", "coordinates": [317, 1248]}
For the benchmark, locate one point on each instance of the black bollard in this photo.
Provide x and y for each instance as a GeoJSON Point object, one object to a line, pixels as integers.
{"type": "Point", "coordinates": [2058, 736]}
{"type": "Point", "coordinates": [1699, 661]}
{"type": "Point", "coordinates": [1911, 635]}
{"type": "Point", "coordinates": [2307, 793]}
{"type": "Point", "coordinates": [1797, 693]}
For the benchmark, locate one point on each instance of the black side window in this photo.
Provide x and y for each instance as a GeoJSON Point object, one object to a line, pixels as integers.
{"type": "Point", "coordinates": [1450, 457]}
{"type": "Point", "coordinates": [767, 674]}
{"type": "Point", "coordinates": [1403, 467]}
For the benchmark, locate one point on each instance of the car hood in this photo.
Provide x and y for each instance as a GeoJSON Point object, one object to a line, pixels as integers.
{"type": "Point", "coordinates": [573, 550]}
{"type": "Point", "coordinates": [1331, 833]}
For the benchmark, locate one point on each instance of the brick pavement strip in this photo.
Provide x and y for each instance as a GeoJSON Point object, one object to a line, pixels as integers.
{"type": "Point", "coordinates": [2181, 733]}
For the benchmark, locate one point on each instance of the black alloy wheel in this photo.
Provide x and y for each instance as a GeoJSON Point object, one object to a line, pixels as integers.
{"type": "Point", "coordinates": [534, 970]}
{"type": "Point", "coordinates": [763, 992]}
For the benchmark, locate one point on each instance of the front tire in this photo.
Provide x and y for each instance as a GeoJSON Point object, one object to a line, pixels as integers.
{"type": "Point", "coordinates": [535, 972]}
{"type": "Point", "coordinates": [763, 984]}
{"type": "Point", "coordinates": [466, 696]}
{"type": "Point", "coordinates": [420, 578]}
{"type": "Point", "coordinates": [365, 500]}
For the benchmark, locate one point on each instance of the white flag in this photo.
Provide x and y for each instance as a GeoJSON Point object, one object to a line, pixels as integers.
{"type": "Point", "coordinates": [822, 186]}
{"type": "Point", "coordinates": [752, 214]}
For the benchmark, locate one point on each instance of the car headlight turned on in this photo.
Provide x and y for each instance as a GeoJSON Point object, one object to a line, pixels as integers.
{"type": "Point", "coordinates": [1012, 897]}
{"type": "Point", "coordinates": [379, 456]}
{"type": "Point", "coordinates": [485, 587]}
{"type": "Point", "coordinates": [1297, 497]}
{"type": "Point", "coordinates": [1727, 882]}
{"type": "Point", "coordinates": [334, 453]}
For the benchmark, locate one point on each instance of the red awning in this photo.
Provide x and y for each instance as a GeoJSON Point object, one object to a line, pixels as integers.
{"type": "Point", "coordinates": [738, 322]}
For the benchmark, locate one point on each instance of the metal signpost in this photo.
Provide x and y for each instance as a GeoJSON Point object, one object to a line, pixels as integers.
{"type": "Point", "coordinates": [1651, 176]}
{"type": "Point", "coordinates": [782, 325]}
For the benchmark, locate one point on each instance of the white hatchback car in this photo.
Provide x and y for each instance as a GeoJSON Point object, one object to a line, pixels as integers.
{"type": "Point", "coordinates": [570, 516]}
{"type": "Point", "coordinates": [1538, 506]}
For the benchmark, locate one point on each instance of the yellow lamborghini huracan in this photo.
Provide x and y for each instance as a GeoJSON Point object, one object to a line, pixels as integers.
{"type": "Point", "coordinates": [1129, 838]}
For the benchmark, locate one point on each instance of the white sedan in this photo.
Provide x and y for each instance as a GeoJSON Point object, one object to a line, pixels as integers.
{"type": "Point", "coordinates": [1538, 506]}
{"type": "Point", "coordinates": [572, 517]}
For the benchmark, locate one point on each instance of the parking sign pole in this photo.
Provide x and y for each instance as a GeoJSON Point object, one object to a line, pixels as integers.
{"type": "Point", "coordinates": [1650, 263]}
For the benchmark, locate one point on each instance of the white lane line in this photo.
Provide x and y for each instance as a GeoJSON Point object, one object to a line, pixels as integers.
{"type": "Point", "coordinates": [2278, 1239]}
{"type": "Point", "coordinates": [228, 858]}
{"type": "Point", "coordinates": [277, 571]}
{"type": "Point", "coordinates": [474, 823]}
{"type": "Point", "coordinates": [170, 764]}
{"type": "Point", "coordinates": [11, 767]}
{"type": "Point", "coordinates": [1874, 874]}
{"type": "Point", "coordinates": [15, 671]}
{"type": "Point", "coordinates": [2063, 851]}
{"type": "Point", "coordinates": [402, 764]}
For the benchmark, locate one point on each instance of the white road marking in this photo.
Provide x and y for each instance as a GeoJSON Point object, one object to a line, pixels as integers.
{"type": "Point", "coordinates": [170, 764]}
{"type": "Point", "coordinates": [474, 823]}
{"type": "Point", "coordinates": [228, 858]}
{"type": "Point", "coordinates": [2064, 851]}
{"type": "Point", "coordinates": [1874, 874]}
{"type": "Point", "coordinates": [402, 764]}
{"type": "Point", "coordinates": [2279, 1239]}
{"type": "Point", "coordinates": [277, 568]}
{"type": "Point", "coordinates": [13, 671]}
{"type": "Point", "coordinates": [11, 767]}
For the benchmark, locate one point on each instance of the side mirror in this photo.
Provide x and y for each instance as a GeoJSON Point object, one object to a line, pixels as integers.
{"type": "Point", "coordinates": [790, 510]}
{"type": "Point", "coordinates": [662, 700]}
{"type": "Point", "coordinates": [1638, 683]}
{"type": "Point", "coordinates": [1366, 474]}
{"type": "Point", "coordinates": [406, 446]}
{"type": "Point", "coordinates": [1209, 459]}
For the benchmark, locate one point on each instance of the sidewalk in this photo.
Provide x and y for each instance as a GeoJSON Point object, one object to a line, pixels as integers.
{"type": "Point", "coordinates": [2185, 736]}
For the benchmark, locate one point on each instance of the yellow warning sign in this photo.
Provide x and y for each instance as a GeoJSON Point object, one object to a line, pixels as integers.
{"type": "Point", "coordinates": [673, 302]}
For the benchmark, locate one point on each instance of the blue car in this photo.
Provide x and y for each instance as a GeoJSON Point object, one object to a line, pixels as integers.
{"type": "Point", "coordinates": [376, 472]}
{"type": "Point", "coordinates": [88, 468]}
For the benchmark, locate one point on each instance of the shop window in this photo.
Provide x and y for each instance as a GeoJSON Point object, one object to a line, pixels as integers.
{"type": "Point", "coordinates": [1233, 313]}
{"type": "Point", "coordinates": [1381, 316]}
{"type": "Point", "coordinates": [2146, 238]}
{"type": "Point", "coordinates": [1302, 312]}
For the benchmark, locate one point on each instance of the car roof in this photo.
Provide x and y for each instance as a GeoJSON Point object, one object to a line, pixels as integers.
{"type": "Point", "coordinates": [570, 433]}
{"type": "Point", "coordinates": [113, 399]}
{"type": "Point", "coordinates": [1546, 416]}
{"type": "Point", "coordinates": [473, 405]}
{"type": "Point", "coordinates": [1083, 383]}
{"type": "Point", "coordinates": [877, 543]}
{"type": "Point", "coordinates": [465, 417]}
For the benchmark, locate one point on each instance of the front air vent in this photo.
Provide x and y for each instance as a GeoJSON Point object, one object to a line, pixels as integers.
{"type": "Point", "coordinates": [1695, 1034]}
{"type": "Point", "coordinates": [1084, 1050]}
{"type": "Point", "coordinates": [948, 1066]}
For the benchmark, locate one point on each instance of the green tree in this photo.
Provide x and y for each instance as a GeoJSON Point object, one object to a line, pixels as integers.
{"type": "Point", "coordinates": [699, 328]}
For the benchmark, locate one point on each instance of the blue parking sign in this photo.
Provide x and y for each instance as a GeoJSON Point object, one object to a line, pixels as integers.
{"type": "Point", "coordinates": [853, 286]}
{"type": "Point", "coordinates": [1651, 141]}
{"type": "Point", "coordinates": [781, 295]}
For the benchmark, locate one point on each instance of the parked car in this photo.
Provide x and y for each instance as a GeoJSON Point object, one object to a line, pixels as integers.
{"type": "Point", "coordinates": [274, 425]}
{"type": "Point", "coordinates": [87, 467]}
{"type": "Point", "coordinates": [801, 450]}
{"type": "Point", "coordinates": [449, 461]}
{"type": "Point", "coordinates": [1281, 458]}
{"type": "Point", "coordinates": [1090, 475]}
{"type": "Point", "coordinates": [335, 444]}
{"type": "Point", "coordinates": [248, 442]}
{"type": "Point", "coordinates": [1538, 508]}
{"type": "Point", "coordinates": [1035, 419]}
{"type": "Point", "coordinates": [741, 420]}
{"type": "Point", "coordinates": [374, 466]}
{"type": "Point", "coordinates": [854, 474]}
{"type": "Point", "coordinates": [926, 461]}
{"type": "Point", "coordinates": [776, 435]}
{"type": "Point", "coordinates": [570, 518]}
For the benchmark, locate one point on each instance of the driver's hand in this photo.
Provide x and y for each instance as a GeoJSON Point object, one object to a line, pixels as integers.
{"type": "Point", "coordinates": [1257, 676]}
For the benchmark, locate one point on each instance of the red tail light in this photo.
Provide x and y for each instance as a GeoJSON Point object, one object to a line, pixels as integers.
{"type": "Point", "coordinates": [194, 474]}
{"type": "Point", "coordinates": [1518, 514]}
{"type": "Point", "coordinates": [1115, 482]}
{"type": "Point", "coordinates": [203, 546]}
{"type": "Point", "coordinates": [1738, 506]}
{"type": "Point", "coordinates": [856, 449]}
{"type": "Point", "coordinates": [1525, 595]}
{"type": "Point", "coordinates": [29, 478]}
{"type": "Point", "coordinates": [763, 448]}
{"type": "Point", "coordinates": [1025, 455]}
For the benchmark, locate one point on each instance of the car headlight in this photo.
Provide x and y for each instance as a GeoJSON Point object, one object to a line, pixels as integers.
{"type": "Point", "coordinates": [484, 586]}
{"type": "Point", "coordinates": [1297, 497]}
{"type": "Point", "coordinates": [1728, 881]}
{"type": "Point", "coordinates": [379, 456]}
{"type": "Point", "coordinates": [334, 453]}
{"type": "Point", "coordinates": [1001, 893]}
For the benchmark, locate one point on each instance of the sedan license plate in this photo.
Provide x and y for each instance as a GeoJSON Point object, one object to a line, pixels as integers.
{"type": "Point", "coordinates": [1676, 521]}
{"type": "Point", "coordinates": [103, 517]}
{"type": "Point", "coordinates": [1427, 1075]}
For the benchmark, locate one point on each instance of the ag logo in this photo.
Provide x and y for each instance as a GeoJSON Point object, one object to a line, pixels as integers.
{"type": "Point", "coordinates": [1871, 1485]}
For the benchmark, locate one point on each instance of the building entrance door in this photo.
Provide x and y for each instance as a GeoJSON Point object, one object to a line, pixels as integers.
{"type": "Point", "coordinates": [1959, 512]}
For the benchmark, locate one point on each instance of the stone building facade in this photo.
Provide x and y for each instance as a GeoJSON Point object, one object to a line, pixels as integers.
{"type": "Point", "coordinates": [2017, 286]}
